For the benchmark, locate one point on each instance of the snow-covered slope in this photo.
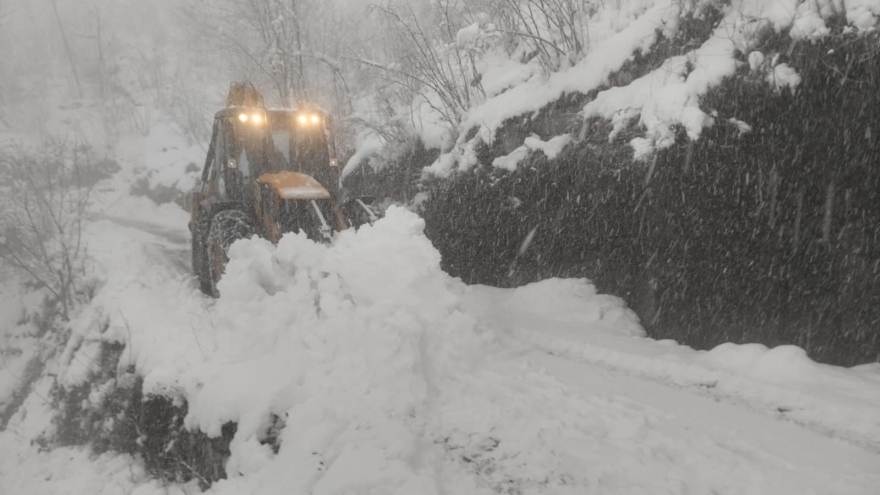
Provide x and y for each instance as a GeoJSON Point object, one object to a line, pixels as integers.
{"type": "Point", "coordinates": [392, 377]}
{"type": "Point", "coordinates": [666, 90]}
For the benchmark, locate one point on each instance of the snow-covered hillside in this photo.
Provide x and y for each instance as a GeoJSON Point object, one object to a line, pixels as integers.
{"type": "Point", "coordinates": [375, 372]}
{"type": "Point", "coordinates": [646, 64]}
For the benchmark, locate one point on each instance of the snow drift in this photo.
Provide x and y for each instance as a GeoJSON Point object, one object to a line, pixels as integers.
{"type": "Point", "coordinates": [351, 345]}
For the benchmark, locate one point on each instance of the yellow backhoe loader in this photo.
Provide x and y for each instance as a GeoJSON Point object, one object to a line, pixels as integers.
{"type": "Point", "coordinates": [268, 172]}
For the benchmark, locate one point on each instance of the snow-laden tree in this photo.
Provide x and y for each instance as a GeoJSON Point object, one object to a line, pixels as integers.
{"type": "Point", "coordinates": [289, 48]}
{"type": "Point", "coordinates": [44, 194]}
{"type": "Point", "coordinates": [554, 31]}
{"type": "Point", "coordinates": [433, 54]}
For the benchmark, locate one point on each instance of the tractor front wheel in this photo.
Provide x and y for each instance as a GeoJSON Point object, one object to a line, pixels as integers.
{"type": "Point", "coordinates": [226, 227]}
{"type": "Point", "coordinates": [199, 254]}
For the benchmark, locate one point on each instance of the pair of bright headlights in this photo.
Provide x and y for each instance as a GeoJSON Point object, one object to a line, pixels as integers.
{"type": "Point", "coordinates": [254, 118]}
{"type": "Point", "coordinates": [308, 119]}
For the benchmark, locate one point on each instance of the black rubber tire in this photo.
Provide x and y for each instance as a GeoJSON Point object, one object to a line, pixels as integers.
{"type": "Point", "coordinates": [200, 263]}
{"type": "Point", "coordinates": [227, 227]}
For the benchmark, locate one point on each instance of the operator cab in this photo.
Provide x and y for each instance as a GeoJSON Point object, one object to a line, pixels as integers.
{"type": "Point", "coordinates": [250, 142]}
{"type": "Point", "coordinates": [301, 143]}
{"type": "Point", "coordinates": [238, 153]}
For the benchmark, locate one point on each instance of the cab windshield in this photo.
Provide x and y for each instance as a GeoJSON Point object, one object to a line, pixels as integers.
{"type": "Point", "coordinates": [248, 150]}
{"type": "Point", "coordinates": [298, 148]}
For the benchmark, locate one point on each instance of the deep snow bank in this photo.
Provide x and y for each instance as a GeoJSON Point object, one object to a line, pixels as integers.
{"type": "Point", "coordinates": [349, 344]}
{"type": "Point", "coordinates": [344, 342]}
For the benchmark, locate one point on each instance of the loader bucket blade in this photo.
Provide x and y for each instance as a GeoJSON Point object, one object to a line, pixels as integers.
{"type": "Point", "coordinates": [293, 185]}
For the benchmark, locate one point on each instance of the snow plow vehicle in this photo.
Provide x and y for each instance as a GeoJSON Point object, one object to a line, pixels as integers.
{"type": "Point", "coordinates": [267, 172]}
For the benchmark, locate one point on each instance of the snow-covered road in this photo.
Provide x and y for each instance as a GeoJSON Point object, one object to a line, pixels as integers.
{"type": "Point", "coordinates": [637, 436]}
{"type": "Point", "coordinates": [620, 430]}
{"type": "Point", "coordinates": [395, 378]}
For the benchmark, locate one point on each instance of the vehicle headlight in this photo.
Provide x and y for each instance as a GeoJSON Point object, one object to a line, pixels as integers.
{"type": "Point", "coordinates": [303, 119]}
{"type": "Point", "coordinates": [315, 119]}
{"type": "Point", "coordinates": [243, 117]}
{"type": "Point", "coordinates": [256, 118]}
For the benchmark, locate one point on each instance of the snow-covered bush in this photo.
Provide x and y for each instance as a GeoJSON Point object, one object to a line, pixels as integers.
{"type": "Point", "coordinates": [45, 194]}
{"type": "Point", "coordinates": [554, 31]}
{"type": "Point", "coordinates": [435, 56]}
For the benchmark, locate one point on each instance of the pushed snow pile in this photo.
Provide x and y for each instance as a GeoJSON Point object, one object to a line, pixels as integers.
{"type": "Point", "coordinates": [355, 346]}
{"type": "Point", "coordinates": [341, 342]}
{"type": "Point", "coordinates": [782, 364]}
{"type": "Point", "coordinates": [560, 303]}
{"type": "Point", "coordinates": [348, 344]}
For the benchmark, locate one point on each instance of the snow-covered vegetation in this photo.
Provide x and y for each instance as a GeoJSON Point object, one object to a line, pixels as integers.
{"type": "Point", "coordinates": [569, 186]}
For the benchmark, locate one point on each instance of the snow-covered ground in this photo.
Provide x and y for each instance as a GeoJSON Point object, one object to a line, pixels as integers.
{"type": "Point", "coordinates": [393, 377]}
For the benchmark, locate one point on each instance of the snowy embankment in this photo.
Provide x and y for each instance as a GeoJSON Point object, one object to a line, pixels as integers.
{"type": "Point", "coordinates": [664, 98]}
{"type": "Point", "coordinates": [392, 377]}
